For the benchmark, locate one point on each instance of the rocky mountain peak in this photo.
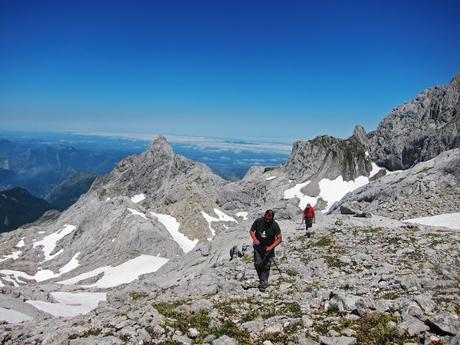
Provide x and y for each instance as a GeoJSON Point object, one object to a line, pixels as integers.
{"type": "Point", "coordinates": [419, 130]}
{"type": "Point", "coordinates": [455, 82]}
{"type": "Point", "coordinates": [161, 147]}
{"type": "Point", "coordinates": [328, 157]}
{"type": "Point", "coordinates": [359, 133]}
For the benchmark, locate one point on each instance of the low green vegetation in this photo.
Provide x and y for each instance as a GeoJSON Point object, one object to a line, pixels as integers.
{"type": "Point", "coordinates": [228, 328]}
{"type": "Point", "coordinates": [86, 334]}
{"type": "Point", "coordinates": [325, 241]}
{"type": "Point", "coordinates": [291, 272]}
{"type": "Point", "coordinates": [135, 295]}
{"type": "Point", "coordinates": [292, 309]}
{"type": "Point", "coordinates": [378, 329]}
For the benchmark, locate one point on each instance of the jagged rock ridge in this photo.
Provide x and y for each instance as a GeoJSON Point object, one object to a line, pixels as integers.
{"type": "Point", "coordinates": [420, 130]}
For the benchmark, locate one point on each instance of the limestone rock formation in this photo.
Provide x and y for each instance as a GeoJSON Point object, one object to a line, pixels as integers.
{"type": "Point", "coordinates": [327, 157]}
{"type": "Point", "coordinates": [429, 188]}
{"type": "Point", "coordinates": [420, 130]}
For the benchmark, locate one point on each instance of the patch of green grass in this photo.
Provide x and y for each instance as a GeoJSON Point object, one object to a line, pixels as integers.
{"type": "Point", "coordinates": [250, 316]}
{"type": "Point", "coordinates": [372, 230]}
{"type": "Point", "coordinates": [169, 309]}
{"type": "Point", "coordinates": [305, 260]}
{"type": "Point", "coordinates": [275, 338]}
{"type": "Point", "coordinates": [325, 241]}
{"type": "Point", "coordinates": [137, 295]}
{"type": "Point", "coordinates": [293, 309]}
{"type": "Point", "coordinates": [333, 261]}
{"type": "Point", "coordinates": [124, 337]}
{"type": "Point", "coordinates": [200, 320]}
{"type": "Point", "coordinates": [172, 342]}
{"type": "Point", "coordinates": [86, 334]}
{"type": "Point", "coordinates": [227, 308]}
{"type": "Point", "coordinates": [248, 259]}
{"type": "Point", "coordinates": [292, 273]}
{"type": "Point", "coordinates": [230, 329]}
{"type": "Point", "coordinates": [268, 311]}
{"type": "Point", "coordinates": [378, 329]}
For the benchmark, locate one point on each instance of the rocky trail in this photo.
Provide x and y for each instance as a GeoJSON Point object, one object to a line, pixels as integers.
{"type": "Point", "coordinates": [356, 281]}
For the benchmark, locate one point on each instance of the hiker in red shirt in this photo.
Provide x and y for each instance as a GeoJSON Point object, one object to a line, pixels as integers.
{"type": "Point", "coordinates": [309, 217]}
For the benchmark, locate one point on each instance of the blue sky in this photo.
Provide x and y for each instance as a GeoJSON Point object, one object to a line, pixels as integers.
{"type": "Point", "coordinates": [249, 69]}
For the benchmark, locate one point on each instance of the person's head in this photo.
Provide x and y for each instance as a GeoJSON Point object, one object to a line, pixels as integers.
{"type": "Point", "coordinates": [269, 215]}
{"type": "Point", "coordinates": [308, 205]}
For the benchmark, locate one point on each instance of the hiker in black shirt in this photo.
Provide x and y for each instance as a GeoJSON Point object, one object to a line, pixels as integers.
{"type": "Point", "coordinates": [266, 235]}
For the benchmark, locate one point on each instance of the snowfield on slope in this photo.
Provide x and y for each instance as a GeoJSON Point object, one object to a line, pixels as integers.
{"type": "Point", "coordinates": [70, 303]}
{"type": "Point", "coordinates": [172, 226]}
{"type": "Point", "coordinates": [447, 220]}
{"type": "Point", "coordinates": [121, 274]}
{"type": "Point", "coordinates": [330, 190]}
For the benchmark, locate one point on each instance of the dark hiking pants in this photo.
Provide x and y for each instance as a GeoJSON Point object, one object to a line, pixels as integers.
{"type": "Point", "coordinates": [262, 263]}
{"type": "Point", "coordinates": [308, 224]}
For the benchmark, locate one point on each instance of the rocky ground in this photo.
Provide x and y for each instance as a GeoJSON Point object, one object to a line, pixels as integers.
{"type": "Point", "coordinates": [356, 281]}
{"type": "Point", "coordinates": [427, 189]}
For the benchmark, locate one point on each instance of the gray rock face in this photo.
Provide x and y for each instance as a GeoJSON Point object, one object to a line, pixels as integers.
{"type": "Point", "coordinates": [327, 157]}
{"type": "Point", "coordinates": [420, 130]}
{"type": "Point", "coordinates": [172, 184]}
{"type": "Point", "coordinates": [429, 188]}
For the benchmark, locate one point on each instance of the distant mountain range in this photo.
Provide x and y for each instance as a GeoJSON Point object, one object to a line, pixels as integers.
{"type": "Point", "coordinates": [19, 207]}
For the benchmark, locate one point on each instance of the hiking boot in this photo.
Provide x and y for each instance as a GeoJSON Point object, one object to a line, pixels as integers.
{"type": "Point", "coordinates": [263, 287]}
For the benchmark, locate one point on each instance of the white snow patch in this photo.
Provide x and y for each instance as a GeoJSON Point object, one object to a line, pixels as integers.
{"type": "Point", "coordinates": [13, 316]}
{"type": "Point", "coordinates": [243, 215]}
{"type": "Point", "coordinates": [210, 219]}
{"type": "Point", "coordinates": [70, 303]}
{"type": "Point", "coordinates": [49, 242]}
{"type": "Point", "coordinates": [137, 213]}
{"type": "Point", "coordinates": [224, 217]}
{"type": "Point", "coordinates": [13, 255]}
{"type": "Point", "coordinates": [137, 198]}
{"type": "Point", "coordinates": [108, 199]}
{"type": "Point", "coordinates": [41, 275]}
{"type": "Point", "coordinates": [448, 220]}
{"type": "Point", "coordinates": [334, 190]}
{"type": "Point", "coordinates": [330, 190]}
{"type": "Point", "coordinates": [295, 191]}
{"type": "Point", "coordinates": [121, 274]}
{"type": "Point", "coordinates": [172, 226]}
{"type": "Point", "coordinates": [71, 265]}
{"type": "Point", "coordinates": [271, 178]}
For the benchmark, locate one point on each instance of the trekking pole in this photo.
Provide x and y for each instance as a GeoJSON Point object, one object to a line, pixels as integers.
{"type": "Point", "coordinates": [279, 270]}
{"type": "Point", "coordinates": [282, 276]}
